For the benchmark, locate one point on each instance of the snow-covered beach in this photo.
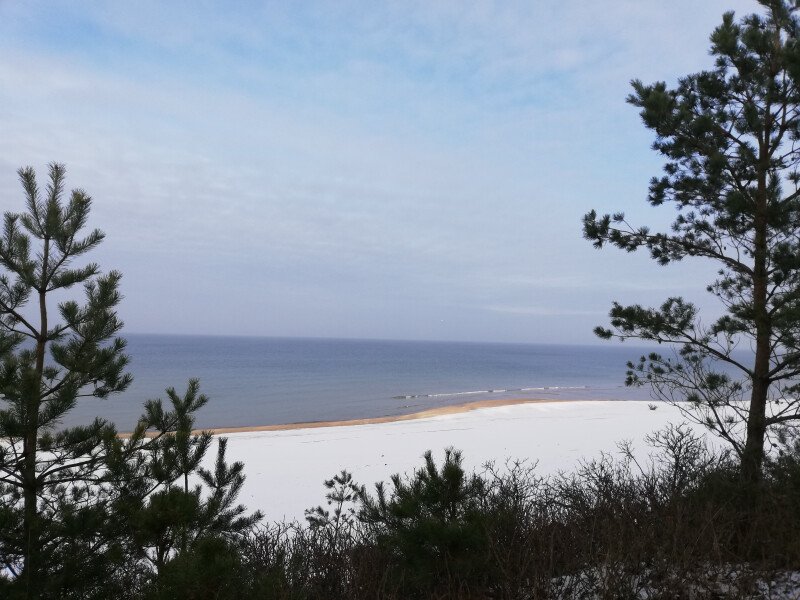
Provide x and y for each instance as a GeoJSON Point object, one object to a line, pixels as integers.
{"type": "Point", "coordinates": [285, 468]}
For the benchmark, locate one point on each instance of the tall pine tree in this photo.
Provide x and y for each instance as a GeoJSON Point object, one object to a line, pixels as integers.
{"type": "Point", "coordinates": [46, 365]}
{"type": "Point", "coordinates": [731, 139]}
{"type": "Point", "coordinates": [85, 513]}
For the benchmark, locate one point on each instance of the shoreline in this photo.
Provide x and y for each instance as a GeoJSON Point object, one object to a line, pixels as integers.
{"type": "Point", "coordinates": [439, 411]}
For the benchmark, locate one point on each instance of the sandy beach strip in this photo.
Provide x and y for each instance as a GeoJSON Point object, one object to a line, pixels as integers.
{"type": "Point", "coordinates": [451, 409]}
{"type": "Point", "coordinates": [439, 411]}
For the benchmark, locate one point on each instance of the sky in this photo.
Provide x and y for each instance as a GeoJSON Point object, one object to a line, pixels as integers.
{"type": "Point", "coordinates": [389, 170]}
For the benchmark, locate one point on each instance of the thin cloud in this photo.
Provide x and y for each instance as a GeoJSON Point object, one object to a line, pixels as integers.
{"type": "Point", "coordinates": [348, 158]}
{"type": "Point", "coordinates": [543, 311]}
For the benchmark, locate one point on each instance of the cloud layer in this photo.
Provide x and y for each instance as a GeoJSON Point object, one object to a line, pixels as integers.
{"type": "Point", "coordinates": [413, 170]}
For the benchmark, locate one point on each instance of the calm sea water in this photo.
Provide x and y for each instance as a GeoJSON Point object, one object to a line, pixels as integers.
{"type": "Point", "coordinates": [259, 381]}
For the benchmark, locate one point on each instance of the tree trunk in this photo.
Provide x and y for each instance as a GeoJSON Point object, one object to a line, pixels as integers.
{"type": "Point", "coordinates": [31, 528]}
{"type": "Point", "coordinates": [753, 454]}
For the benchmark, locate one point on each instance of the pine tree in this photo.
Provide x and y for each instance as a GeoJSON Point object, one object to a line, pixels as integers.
{"type": "Point", "coordinates": [166, 511]}
{"type": "Point", "coordinates": [432, 523]}
{"type": "Point", "coordinates": [730, 138]}
{"type": "Point", "coordinates": [84, 512]}
{"type": "Point", "coordinates": [46, 366]}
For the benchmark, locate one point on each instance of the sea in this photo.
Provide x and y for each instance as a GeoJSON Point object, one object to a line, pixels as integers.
{"type": "Point", "coordinates": [254, 381]}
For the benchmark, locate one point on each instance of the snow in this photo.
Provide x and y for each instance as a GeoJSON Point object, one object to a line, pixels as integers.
{"type": "Point", "coordinates": [285, 469]}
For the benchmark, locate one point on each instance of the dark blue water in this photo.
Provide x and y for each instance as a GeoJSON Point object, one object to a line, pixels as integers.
{"type": "Point", "coordinates": [259, 381]}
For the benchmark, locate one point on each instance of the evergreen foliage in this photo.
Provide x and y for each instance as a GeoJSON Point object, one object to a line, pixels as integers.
{"type": "Point", "coordinates": [730, 138]}
{"type": "Point", "coordinates": [342, 495]}
{"type": "Point", "coordinates": [85, 513]}
{"type": "Point", "coordinates": [430, 524]}
{"type": "Point", "coordinates": [37, 460]}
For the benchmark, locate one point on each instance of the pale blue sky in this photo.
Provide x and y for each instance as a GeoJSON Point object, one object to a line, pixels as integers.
{"type": "Point", "coordinates": [411, 170]}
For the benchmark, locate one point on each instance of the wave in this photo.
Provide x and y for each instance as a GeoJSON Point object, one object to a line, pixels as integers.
{"type": "Point", "coordinates": [492, 391]}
